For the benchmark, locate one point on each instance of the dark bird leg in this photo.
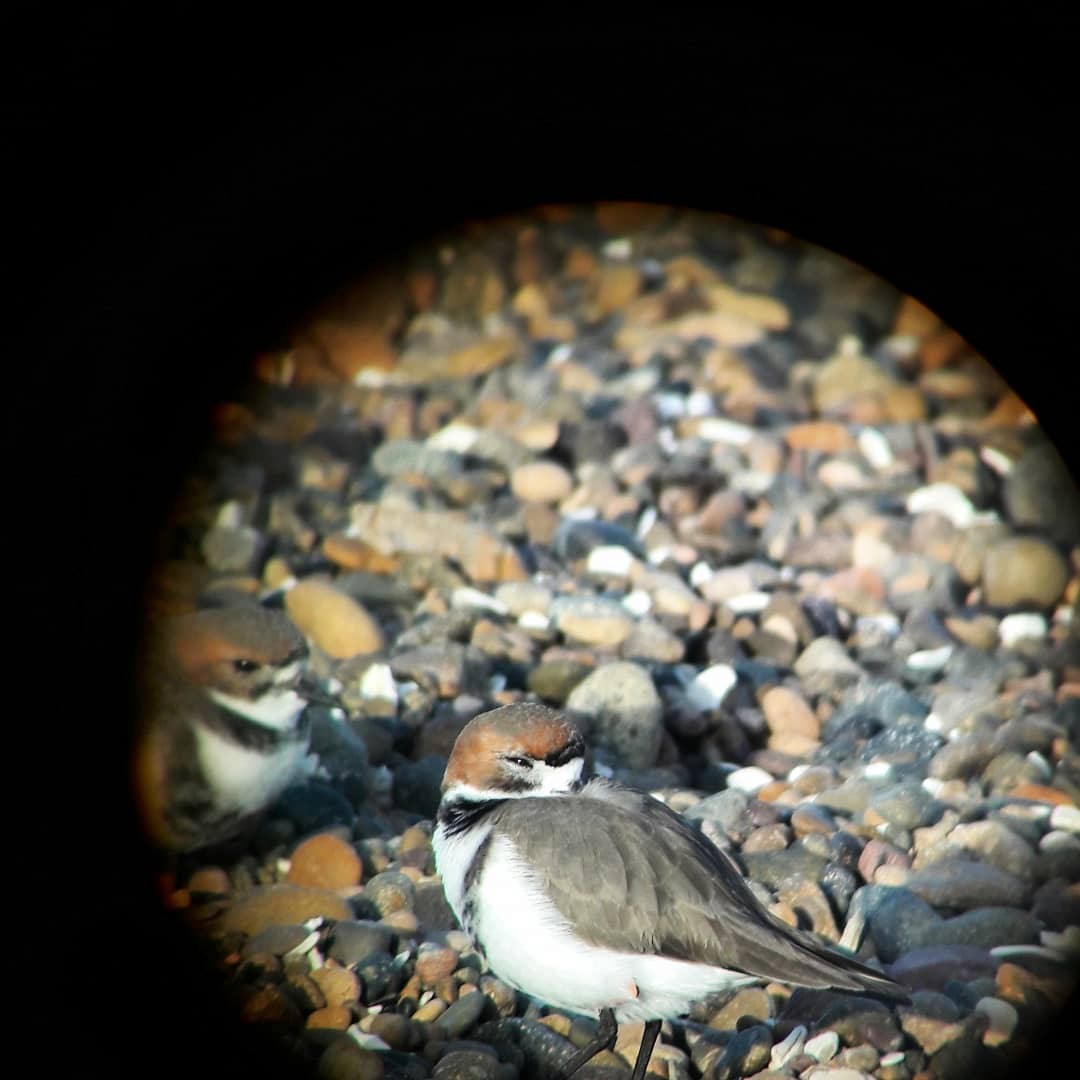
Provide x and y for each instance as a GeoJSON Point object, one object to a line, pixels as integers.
{"type": "Point", "coordinates": [604, 1039]}
{"type": "Point", "coordinates": [648, 1041]}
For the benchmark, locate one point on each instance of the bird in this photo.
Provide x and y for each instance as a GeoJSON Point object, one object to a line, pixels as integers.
{"type": "Point", "coordinates": [598, 899]}
{"type": "Point", "coordinates": [222, 729]}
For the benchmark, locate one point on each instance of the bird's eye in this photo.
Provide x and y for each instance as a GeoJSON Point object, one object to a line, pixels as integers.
{"type": "Point", "coordinates": [522, 762]}
{"type": "Point", "coordinates": [245, 665]}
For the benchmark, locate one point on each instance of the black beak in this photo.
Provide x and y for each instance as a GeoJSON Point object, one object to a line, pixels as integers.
{"type": "Point", "coordinates": [314, 694]}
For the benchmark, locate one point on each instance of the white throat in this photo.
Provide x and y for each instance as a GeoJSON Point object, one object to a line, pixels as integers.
{"type": "Point", "coordinates": [276, 709]}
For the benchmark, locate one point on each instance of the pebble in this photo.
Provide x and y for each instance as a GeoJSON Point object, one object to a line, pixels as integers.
{"type": "Point", "coordinates": [273, 905]}
{"type": "Point", "coordinates": [622, 711]}
{"type": "Point", "coordinates": [708, 688]}
{"type": "Point", "coordinates": [1023, 571]}
{"type": "Point", "coordinates": [351, 941]}
{"type": "Point", "coordinates": [749, 779]}
{"type": "Point", "coordinates": [541, 481]}
{"type": "Point", "coordinates": [931, 967]}
{"type": "Point", "coordinates": [1020, 627]}
{"type": "Point", "coordinates": [1065, 816]}
{"type": "Point", "coordinates": [343, 1059]}
{"type": "Point", "coordinates": [340, 987]}
{"type": "Point", "coordinates": [325, 861]}
{"type": "Point", "coordinates": [390, 891]}
{"type": "Point", "coordinates": [592, 620]}
{"type": "Point", "coordinates": [1003, 1020]}
{"type": "Point", "coordinates": [609, 560]}
{"type": "Point", "coordinates": [481, 552]}
{"type": "Point", "coordinates": [944, 499]}
{"type": "Point", "coordinates": [962, 883]}
{"type": "Point", "coordinates": [461, 1016]}
{"type": "Point", "coordinates": [333, 620]}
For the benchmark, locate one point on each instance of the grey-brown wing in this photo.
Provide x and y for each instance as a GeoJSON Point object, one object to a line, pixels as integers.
{"type": "Point", "coordinates": [638, 877]}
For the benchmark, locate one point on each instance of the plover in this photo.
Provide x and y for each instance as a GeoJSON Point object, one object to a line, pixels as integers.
{"type": "Point", "coordinates": [223, 730]}
{"type": "Point", "coordinates": [600, 900]}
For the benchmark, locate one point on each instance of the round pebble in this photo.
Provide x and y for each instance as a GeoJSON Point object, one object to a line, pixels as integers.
{"type": "Point", "coordinates": [541, 481]}
{"type": "Point", "coordinates": [325, 861]}
{"type": "Point", "coordinates": [1024, 570]}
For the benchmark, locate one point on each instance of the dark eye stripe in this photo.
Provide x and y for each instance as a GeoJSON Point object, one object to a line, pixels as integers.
{"type": "Point", "coordinates": [575, 748]}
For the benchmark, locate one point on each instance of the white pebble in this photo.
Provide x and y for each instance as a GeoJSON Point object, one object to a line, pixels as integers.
{"type": "Point", "coordinates": [994, 459]}
{"type": "Point", "coordinates": [750, 778]}
{"type": "Point", "coordinates": [748, 603]}
{"type": "Point", "coordinates": [878, 770]}
{"type": "Point", "coordinates": [944, 499]}
{"type": "Point", "coordinates": [700, 572]}
{"type": "Point", "coordinates": [934, 723]}
{"type": "Point", "coordinates": [893, 1058]}
{"type": "Point", "coordinates": [752, 481]}
{"type": "Point", "coordinates": [496, 684]}
{"type": "Point", "coordinates": [1065, 817]}
{"type": "Point", "coordinates": [669, 405]}
{"type": "Point", "coordinates": [933, 785]}
{"type": "Point", "coordinates": [930, 659]}
{"type": "Point", "coordinates": [875, 448]}
{"type": "Point", "coordinates": [637, 602]}
{"type": "Point", "coordinates": [369, 377]}
{"type": "Point", "coordinates": [378, 684]}
{"type": "Point", "coordinates": [717, 429]}
{"type": "Point", "coordinates": [366, 1040]}
{"type": "Point", "coordinates": [647, 520]}
{"type": "Point", "coordinates": [305, 946]}
{"type": "Point", "coordinates": [230, 515]}
{"type": "Point", "coordinates": [823, 1047]}
{"type": "Point", "coordinates": [456, 437]}
{"type": "Point", "coordinates": [610, 559]}
{"type": "Point", "coordinates": [1065, 942]}
{"type": "Point", "coordinates": [533, 620]}
{"type": "Point", "coordinates": [1003, 952]}
{"type": "Point", "coordinates": [464, 596]}
{"type": "Point", "coordinates": [560, 354]}
{"type": "Point", "coordinates": [791, 1047]}
{"type": "Point", "coordinates": [620, 249]}
{"type": "Point", "coordinates": [708, 688]}
{"type": "Point", "coordinates": [700, 403]}
{"type": "Point", "coordinates": [1024, 624]}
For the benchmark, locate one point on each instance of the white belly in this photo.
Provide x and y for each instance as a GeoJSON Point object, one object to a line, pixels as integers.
{"type": "Point", "coordinates": [529, 944]}
{"type": "Point", "coordinates": [245, 779]}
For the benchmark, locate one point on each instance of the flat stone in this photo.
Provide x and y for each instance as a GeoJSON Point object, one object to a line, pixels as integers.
{"type": "Point", "coordinates": [274, 905]}
{"type": "Point", "coordinates": [480, 551]}
{"type": "Point", "coordinates": [352, 940]}
{"type": "Point", "coordinates": [592, 620]}
{"type": "Point", "coordinates": [337, 623]}
{"type": "Point", "coordinates": [541, 481]}
{"type": "Point", "coordinates": [930, 967]}
{"type": "Point", "coordinates": [954, 882]}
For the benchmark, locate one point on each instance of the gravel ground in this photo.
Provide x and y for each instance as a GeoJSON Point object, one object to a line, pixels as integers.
{"type": "Point", "coordinates": [796, 559]}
